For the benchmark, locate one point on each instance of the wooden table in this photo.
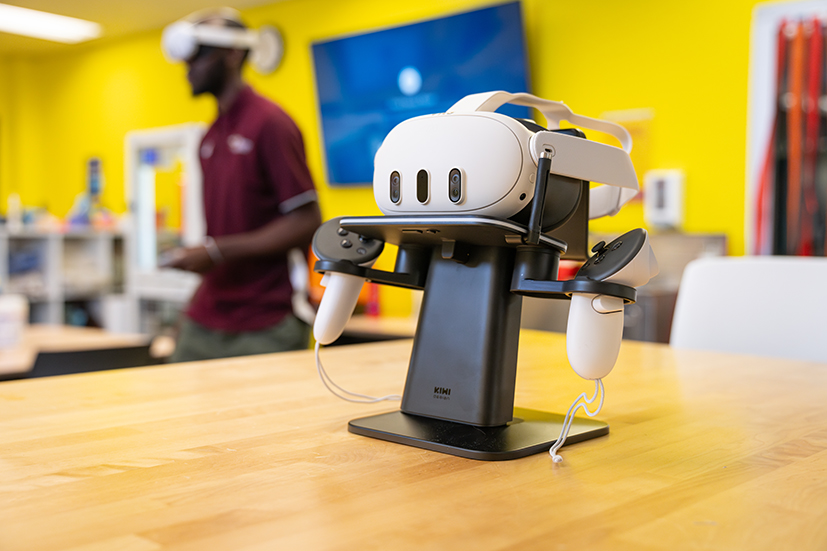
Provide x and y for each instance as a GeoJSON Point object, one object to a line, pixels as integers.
{"type": "Point", "coordinates": [59, 338]}
{"type": "Point", "coordinates": [706, 451]}
{"type": "Point", "coordinates": [378, 328]}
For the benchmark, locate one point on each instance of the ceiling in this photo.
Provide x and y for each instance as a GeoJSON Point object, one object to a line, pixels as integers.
{"type": "Point", "coordinates": [117, 17]}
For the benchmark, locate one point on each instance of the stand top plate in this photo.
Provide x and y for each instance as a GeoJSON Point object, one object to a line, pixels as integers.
{"type": "Point", "coordinates": [434, 230]}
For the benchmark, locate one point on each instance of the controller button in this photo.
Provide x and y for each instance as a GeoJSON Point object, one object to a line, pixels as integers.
{"type": "Point", "coordinates": [362, 250]}
{"type": "Point", "coordinates": [364, 239]}
{"type": "Point", "coordinates": [617, 245]}
{"type": "Point", "coordinates": [346, 243]}
{"type": "Point", "coordinates": [599, 246]}
{"type": "Point", "coordinates": [343, 232]}
{"type": "Point", "coordinates": [599, 259]}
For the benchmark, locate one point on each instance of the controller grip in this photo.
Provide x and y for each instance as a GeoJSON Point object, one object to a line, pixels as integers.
{"type": "Point", "coordinates": [593, 335]}
{"type": "Point", "coordinates": [337, 305]}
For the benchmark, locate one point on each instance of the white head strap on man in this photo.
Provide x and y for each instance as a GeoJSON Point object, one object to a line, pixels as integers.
{"type": "Point", "coordinates": [181, 40]}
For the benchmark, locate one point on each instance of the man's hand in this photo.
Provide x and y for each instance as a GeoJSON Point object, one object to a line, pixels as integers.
{"type": "Point", "coordinates": [292, 230]}
{"type": "Point", "coordinates": [190, 259]}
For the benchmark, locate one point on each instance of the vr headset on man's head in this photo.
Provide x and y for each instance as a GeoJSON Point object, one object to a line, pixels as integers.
{"type": "Point", "coordinates": [181, 40]}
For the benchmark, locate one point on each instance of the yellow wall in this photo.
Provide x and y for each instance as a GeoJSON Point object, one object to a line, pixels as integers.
{"type": "Point", "coordinates": [66, 108]}
{"type": "Point", "coordinates": [685, 60]}
{"type": "Point", "coordinates": [4, 123]}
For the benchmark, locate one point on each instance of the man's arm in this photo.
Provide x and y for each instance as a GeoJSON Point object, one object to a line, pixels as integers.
{"type": "Point", "coordinates": [294, 229]}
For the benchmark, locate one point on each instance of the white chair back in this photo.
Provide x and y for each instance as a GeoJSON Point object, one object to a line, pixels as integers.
{"type": "Point", "coordinates": [762, 305]}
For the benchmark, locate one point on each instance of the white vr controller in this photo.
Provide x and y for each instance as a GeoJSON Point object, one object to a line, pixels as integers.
{"type": "Point", "coordinates": [471, 160]}
{"type": "Point", "coordinates": [181, 40]}
{"type": "Point", "coordinates": [332, 242]}
{"type": "Point", "coordinates": [595, 324]}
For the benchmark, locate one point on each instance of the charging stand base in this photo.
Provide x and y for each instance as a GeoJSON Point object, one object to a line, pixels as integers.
{"type": "Point", "coordinates": [530, 432]}
{"type": "Point", "coordinates": [459, 391]}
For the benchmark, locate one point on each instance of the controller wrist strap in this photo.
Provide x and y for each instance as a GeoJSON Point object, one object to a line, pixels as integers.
{"type": "Point", "coordinates": [577, 404]}
{"type": "Point", "coordinates": [344, 394]}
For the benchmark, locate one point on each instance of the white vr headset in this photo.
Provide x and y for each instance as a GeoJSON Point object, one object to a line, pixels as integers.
{"type": "Point", "coordinates": [180, 41]}
{"type": "Point", "coordinates": [471, 160]}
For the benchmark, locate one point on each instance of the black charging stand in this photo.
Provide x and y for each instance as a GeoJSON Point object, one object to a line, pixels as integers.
{"type": "Point", "coordinates": [459, 392]}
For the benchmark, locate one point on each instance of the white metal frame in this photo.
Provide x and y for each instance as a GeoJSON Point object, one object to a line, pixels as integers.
{"type": "Point", "coordinates": [156, 283]}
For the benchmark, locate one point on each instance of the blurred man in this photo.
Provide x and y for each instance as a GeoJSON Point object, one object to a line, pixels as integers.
{"type": "Point", "coordinates": [259, 202]}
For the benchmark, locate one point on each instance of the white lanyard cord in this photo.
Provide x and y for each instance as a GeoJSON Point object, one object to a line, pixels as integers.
{"type": "Point", "coordinates": [347, 395]}
{"type": "Point", "coordinates": [598, 389]}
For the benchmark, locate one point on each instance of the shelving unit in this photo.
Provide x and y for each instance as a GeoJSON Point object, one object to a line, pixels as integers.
{"type": "Point", "coordinates": [59, 272]}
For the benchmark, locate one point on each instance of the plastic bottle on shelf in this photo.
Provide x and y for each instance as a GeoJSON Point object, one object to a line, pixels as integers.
{"type": "Point", "coordinates": [14, 315]}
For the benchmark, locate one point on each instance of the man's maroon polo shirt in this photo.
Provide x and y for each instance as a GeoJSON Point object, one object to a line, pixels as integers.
{"type": "Point", "coordinates": [255, 171]}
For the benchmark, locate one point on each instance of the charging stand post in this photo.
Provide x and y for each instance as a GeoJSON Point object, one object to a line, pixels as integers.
{"type": "Point", "coordinates": [459, 391]}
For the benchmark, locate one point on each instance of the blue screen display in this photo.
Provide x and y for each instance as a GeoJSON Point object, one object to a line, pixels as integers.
{"type": "Point", "coordinates": [369, 83]}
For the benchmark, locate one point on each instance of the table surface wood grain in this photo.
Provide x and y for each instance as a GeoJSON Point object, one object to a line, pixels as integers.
{"type": "Point", "coordinates": [706, 451]}
{"type": "Point", "coordinates": [381, 326]}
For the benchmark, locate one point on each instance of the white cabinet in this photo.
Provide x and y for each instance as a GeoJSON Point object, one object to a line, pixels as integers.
{"type": "Point", "coordinates": [65, 276]}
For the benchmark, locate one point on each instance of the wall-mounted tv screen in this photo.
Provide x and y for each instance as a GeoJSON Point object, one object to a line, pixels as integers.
{"type": "Point", "coordinates": [369, 83]}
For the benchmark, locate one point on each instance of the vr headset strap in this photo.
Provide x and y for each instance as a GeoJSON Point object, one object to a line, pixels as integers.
{"type": "Point", "coordinates": [553, 111]}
